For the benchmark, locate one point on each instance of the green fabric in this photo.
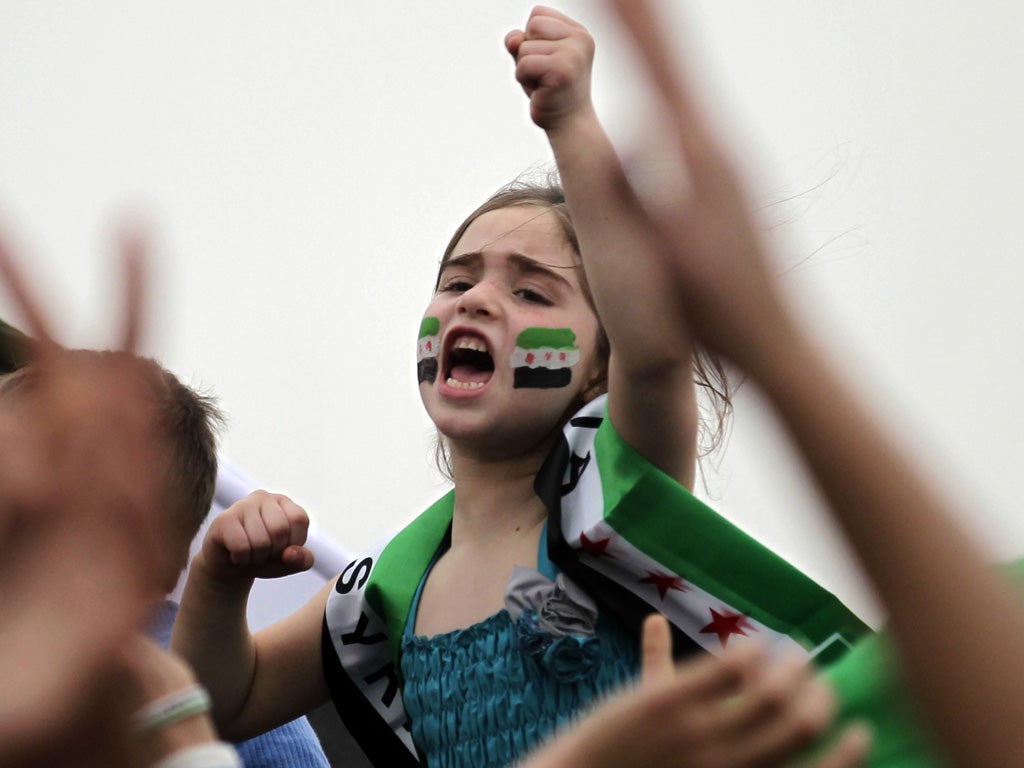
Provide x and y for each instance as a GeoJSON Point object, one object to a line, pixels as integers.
{"type": "Point", "coordinates": [644, 503]}
{"type": "Point", "coordinates": [399, 567]}
{"type": "Point", "coordinates": [868, 684]}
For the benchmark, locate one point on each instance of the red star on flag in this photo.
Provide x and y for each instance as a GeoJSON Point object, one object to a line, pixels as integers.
{"type": "Point", "coordinates": [725, 624]}
{"type": "Point", "coordinates": [598, 548]}
{"type": "Point", "coordinates": [664, 582]}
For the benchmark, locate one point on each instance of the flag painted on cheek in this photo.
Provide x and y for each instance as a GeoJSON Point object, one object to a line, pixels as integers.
{"type": "Point", "coordinates": [427, 349]}
{"type": "Point", "coordinates": [543, 358]}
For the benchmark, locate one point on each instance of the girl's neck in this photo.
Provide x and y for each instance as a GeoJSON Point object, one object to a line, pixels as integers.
{"type": "Point", "coordinates": [495, 499]}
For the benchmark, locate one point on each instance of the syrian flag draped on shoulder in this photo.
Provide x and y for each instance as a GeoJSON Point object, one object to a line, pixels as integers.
{"type": "Point", "coordinates": [630, 535]}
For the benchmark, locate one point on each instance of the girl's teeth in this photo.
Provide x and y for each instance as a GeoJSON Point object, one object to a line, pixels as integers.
{"type": "Point", "coordinates": [464, 384]}
{"type": "Point", "coordinates": [474, 344]}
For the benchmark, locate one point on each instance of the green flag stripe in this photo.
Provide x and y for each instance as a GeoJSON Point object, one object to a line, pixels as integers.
{"type": "Point", "coordinates": [558, 338]}
{"type": "Point", "coordinates": [404, 560]}
{"type": "Point", "coordinates": [710, 551]}
{"type": "Point", "coordinates": [870, 688]}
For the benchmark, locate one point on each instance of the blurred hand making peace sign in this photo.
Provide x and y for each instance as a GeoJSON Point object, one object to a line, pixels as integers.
{"type": "Point", "coordinates": [82, 552]}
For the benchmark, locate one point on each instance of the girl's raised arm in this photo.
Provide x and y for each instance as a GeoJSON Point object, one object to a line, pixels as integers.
{"type": "Point", "coordinates": [650, 380]}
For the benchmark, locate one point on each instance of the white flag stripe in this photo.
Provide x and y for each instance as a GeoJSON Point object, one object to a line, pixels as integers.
{"type": "Point", "coordinates": [361, 661]}
{"type": "Point", "coordinates": [690, 610]}
{"type": "Point", "coordinates": [544, 357]}
{"type": "Point", "coordinates": [428, 346]}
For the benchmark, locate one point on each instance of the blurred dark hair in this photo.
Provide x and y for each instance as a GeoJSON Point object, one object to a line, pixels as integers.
{"type": "Point", "coordinates": [188, 419]}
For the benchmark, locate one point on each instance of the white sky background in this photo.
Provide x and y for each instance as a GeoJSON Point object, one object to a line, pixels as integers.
{"type": "Point", "coordinates": [303, 164]}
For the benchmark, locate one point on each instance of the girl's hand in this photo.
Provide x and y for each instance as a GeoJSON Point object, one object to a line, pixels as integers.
{"type": "Point", "coordinates": [553, 59]}
{"type": "Point", "coordinates": [261, 536]}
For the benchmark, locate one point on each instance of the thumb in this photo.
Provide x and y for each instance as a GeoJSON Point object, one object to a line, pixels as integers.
{"type": "Point", "coordinates": [513, 40]}
{"type": "Point", "coordinates": [297, 558]}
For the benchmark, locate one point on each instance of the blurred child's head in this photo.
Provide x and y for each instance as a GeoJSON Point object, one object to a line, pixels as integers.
{"type": "Point", "coordinates": [187, 419]}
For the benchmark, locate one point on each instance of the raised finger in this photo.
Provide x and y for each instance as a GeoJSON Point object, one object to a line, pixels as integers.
{"type": "Point", "coordinates": [24, 298]}
{"type": "Point", "coordinates": [656, 663]}
{"type": "Point", "coordinates": [134, 265]}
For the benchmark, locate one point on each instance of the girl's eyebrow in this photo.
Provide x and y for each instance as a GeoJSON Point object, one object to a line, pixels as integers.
{"type": "Point", "coordinates": [521, 263]}
{"type": "Point", "coordinates": [462, 260]}
{"type": "Point", "coordinates": [532, 266]}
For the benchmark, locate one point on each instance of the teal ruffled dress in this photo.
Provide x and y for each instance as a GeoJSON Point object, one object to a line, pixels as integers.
{"type": "Point", "coordinates": [487, 694]}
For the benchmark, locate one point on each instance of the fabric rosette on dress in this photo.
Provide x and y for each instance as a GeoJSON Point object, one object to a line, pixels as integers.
{"type": "Point", "coordinates": [555, 622]}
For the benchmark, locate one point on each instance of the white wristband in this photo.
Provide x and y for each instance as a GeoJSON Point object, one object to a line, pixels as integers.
{"type": "Point", "coordinates": [169, 709]}
{"type": "Point", "coordinates": [212, 754]}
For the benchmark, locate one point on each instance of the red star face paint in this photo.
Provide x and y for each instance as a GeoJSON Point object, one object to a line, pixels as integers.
{"type": "Point", "coordinates": [427, 349]}
{"type": "Point", "coordinates": [543, 357]}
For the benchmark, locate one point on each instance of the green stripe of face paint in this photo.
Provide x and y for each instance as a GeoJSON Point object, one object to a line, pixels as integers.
{"type": "Point", "coordinates": [556, 338]}
{"type": "Point", "coordinates": [429, 326]}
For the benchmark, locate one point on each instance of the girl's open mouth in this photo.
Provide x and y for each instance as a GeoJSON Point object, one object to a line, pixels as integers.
{"type": "Point", "coordinates": [468, 362]}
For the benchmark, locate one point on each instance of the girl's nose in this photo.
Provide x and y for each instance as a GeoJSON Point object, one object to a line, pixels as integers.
{"type": "Point", "coordinates": [481, 300]}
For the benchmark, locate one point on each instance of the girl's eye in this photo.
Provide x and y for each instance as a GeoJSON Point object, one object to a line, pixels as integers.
{"type": "Point", "coordinates": [532, 296]}
{"type": "Point", "coordinates": [456, 285]}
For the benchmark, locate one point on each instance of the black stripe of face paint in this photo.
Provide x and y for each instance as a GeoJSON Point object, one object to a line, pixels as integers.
{"type": "Point", "coordinates": [541, 378]}
{"type": "Point", "coordinates": [426, 370]}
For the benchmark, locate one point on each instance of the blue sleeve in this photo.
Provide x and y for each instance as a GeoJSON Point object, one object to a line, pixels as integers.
{"type": "Point", "coordinates": [293, 745]}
